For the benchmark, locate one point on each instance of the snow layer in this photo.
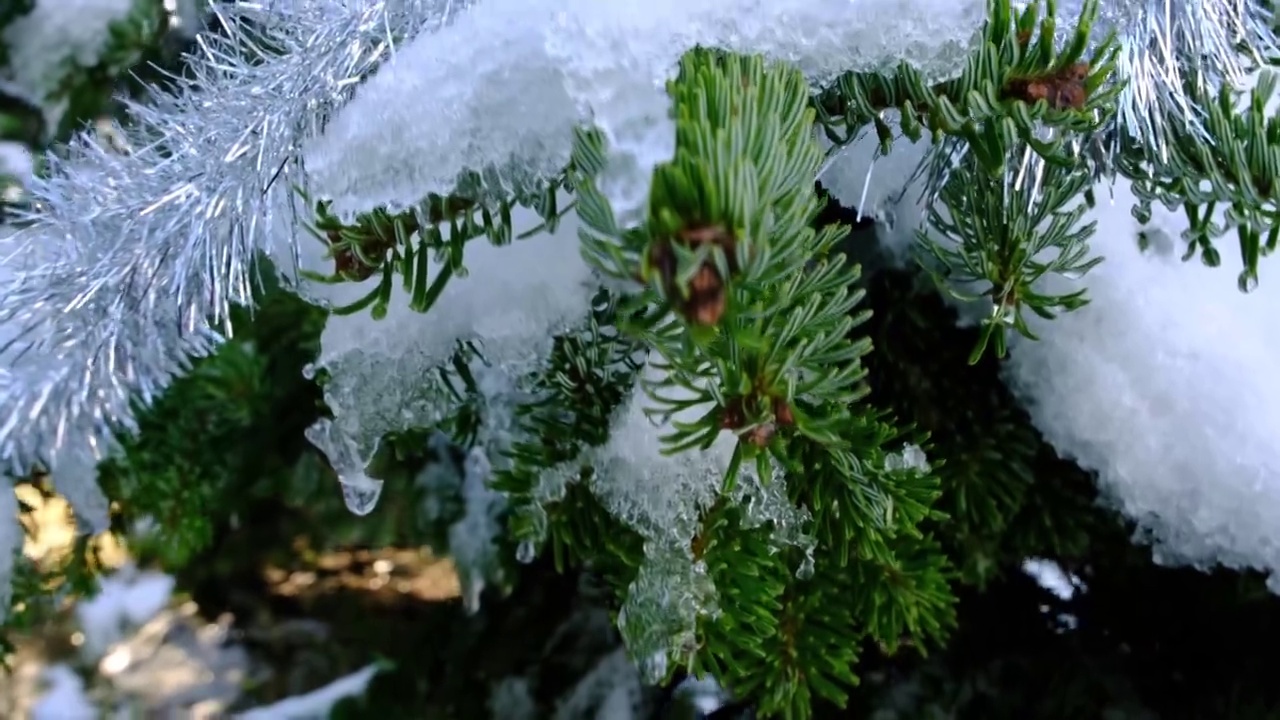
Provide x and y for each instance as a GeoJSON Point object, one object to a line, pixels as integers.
{"type": "Point", "coordinates": [65, 697]}
{"type": "Point", "coordinates": [660, 496]}
{"type": "Point", "coordinates": [125, 600]}
{"type": "Point", "coordinates": [512, 301]}
{"type": "Point", "coordinates": [1162, 385]}
{"type": "Point", "coordinates": [1166, 386]}
{"type": "Point", "coordinates": [502, 86]}
{"type": "Point", "coordinates": [663, 498]}
{"type": "Point", "coordinates": [318, 703]}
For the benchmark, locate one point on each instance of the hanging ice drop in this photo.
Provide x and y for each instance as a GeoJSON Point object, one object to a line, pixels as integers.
{"type": "Point", "coordinates": [360, 493]}
{"type": "Point", "coordinates": [805, 571]}
{"type": "Point", "coordinates": [526, 552]}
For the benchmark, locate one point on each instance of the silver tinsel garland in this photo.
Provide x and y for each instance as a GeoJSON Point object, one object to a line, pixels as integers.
{"type": "Point", "coordinates": [130, 261]}
{"type": "Point", "coordinates": [131, 258]}
{"type": "Point", "coordinates": [1170, 45]}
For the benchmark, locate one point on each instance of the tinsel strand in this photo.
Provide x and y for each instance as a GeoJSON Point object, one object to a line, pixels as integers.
{"type": "Point", "coordinates": [128, 263]}
{"type": "Point", "coordinates": [1169, 50]}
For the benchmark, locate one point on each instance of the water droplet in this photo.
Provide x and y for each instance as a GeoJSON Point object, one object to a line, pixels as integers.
{"type": "Point", "coordinates": [1211, 257]}
{"type": "Point", "coordinates": [1142, 211]}
{"type": "Point", "coordinates": [309, 371]}
{"type": "Point", "coordinates": [1248, 281]}
{"type": "Point", "coordinates": [361, 494]}
{"type": "Point", "coordinates": [526, 552]}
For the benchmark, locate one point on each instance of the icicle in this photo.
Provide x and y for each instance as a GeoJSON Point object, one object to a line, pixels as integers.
{"type": "Point", "coordinates": [359, 491]}
{"type": "Point", "coordinates": [659, 618]}
{"type": "Point", "coordinates": [473, 539]}
{"type": "Point", "coordinates": [382, 374]}
{"type": "Point", "coordinates": [526, 552]}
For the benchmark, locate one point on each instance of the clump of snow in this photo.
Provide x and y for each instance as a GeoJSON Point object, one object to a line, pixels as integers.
{"type": "Point", "coordinates": [17, 165]}
{"type": "Point", "coordinates": [502, 86]}
{"type": "Point", "coordinates": [1161, 384]}
{"type": "Point", "coordinates": [662, 497]}
{"type": "Point", "coordinates": [64, 698]}
{"type": "Point", "coordinates": [125, 600]}
{"type": "Point", "coordinates": [57, 33]}
{"type": "Point", "coordinates": [702, 695]}
{"type": "Point", "coordinates": [511, 303]}
{"type": "Point", "coordinates": [317, 704]}
{"type": "Point", "coordinates": [1165, 386]}
{"type": "Point", "coordinates": [910, 459]}
{"type": "Point", "coordinates": [1052, 577]}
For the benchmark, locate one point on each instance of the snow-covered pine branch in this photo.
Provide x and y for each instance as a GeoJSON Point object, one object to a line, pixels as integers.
{"type": "Point", "coordinates": [483, 178]}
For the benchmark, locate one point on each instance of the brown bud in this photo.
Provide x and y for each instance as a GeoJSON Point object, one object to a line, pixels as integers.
{"type": "Point", "coordinates": [731, 415]}
{"type": "Point", "coordinates": [1062, 91]}
{"type": "Point", "coordinates": [782, 411]}
{"type": "Point", "coordinates": [761, 435]}
{"type": "Point", "coordinates": [706, 302]}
